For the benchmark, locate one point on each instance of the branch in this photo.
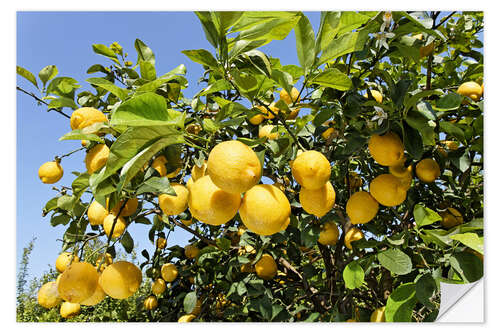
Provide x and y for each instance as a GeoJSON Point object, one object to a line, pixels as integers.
{"type": "Point", "coordinates": [41, 101]}
{"type": "Point", "coordinates": [195, 233]}
{"type": "Point", "coordinates": [444, 20]}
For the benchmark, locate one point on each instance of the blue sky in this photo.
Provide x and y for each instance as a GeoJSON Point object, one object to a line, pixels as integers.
{"type": "Point", "coordinates": [65, 39]}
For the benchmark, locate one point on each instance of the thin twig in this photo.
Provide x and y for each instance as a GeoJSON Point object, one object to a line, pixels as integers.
{"type": "Point", "coordinates": [42, 101]}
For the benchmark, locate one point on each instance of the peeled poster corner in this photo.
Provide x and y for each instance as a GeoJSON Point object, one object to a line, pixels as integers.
{"type": "Point", "coordinates": [462, 303]}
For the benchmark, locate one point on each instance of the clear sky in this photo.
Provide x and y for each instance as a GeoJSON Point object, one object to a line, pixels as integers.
{"type": "Point", "coordinates": [65, 39]}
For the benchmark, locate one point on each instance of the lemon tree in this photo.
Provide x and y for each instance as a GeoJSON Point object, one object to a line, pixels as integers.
{"type": "Point", "coordinates": [342, 188]}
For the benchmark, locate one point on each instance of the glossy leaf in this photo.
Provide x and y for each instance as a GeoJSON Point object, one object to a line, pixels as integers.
{"type": "Point", "coordinates": [105, 51]}
{"type": "Point", "coordinates": [354, 275]}
{"type": "Point", "coordinates": [333, 78]}
{"type": "Point", "coordinates": [202, 56]}
{"type": "Point", "coordinates": [425, 216]}
{"type": "Point", "coordinates": [396, 261]}
{"type": "Point", "coordinates": [144, 53]}
{"type": "Point", "coordinates": [304, 40]}
{"type": "Point", "coordinates": [400, 303]}
{"type": "Point", "coordinates": [471, 240]}
{"type": "Point", "coordinates": [109, 86]}
{"type": "Point", "coordinates": [27, 75]}
{"type": "Point", "coordinates": [47, 73]}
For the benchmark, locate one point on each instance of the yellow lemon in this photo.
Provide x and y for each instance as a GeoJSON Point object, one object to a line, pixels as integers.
{"type": "Point", "coordinates": [50, 172]}
{"type": "Point", "coordinates": [161, 243]}
{"type": "Point", "coordinates": [361, 207]}
{"type": "Point", "coordinates": [106, 260]}
{"type": "Point", "coordinates": [427, 170]}
{"type": "Point", "coordinates": [386, 149]}
{"type": "Point", "coordinates": [319, 201]}
{"type": "Point", "coordinates": [265, 209]}
{"type": "Point", "coordinates": [388, 190]}
{"type": "Point", "coordinates": [189, 183]}
{"type": "Point", "coordinates": [48, 296]}
{"type": "Point", "coordinates": [191, 251]}
{"type": "Point", "coordinates": [197, 308]}
{"type": "Point", "coordinates": [377, 96]}
{"type": "Point", "coordinates": [210, 204]}
{"type": "Point", "coordinates": [83, 117]}
{"type": "Point", "coordinates": [266, 267]}
{"type": "Point", "coordinates": [96, 213]}
{"type": "Point", "coordinates": [150, 303]}
{"type": "Point", "coordinates": [327, 133]}
{"type": "Point", "coordinates": [198, 171]}
{"type": "Point", "coordinates": [352, 235]}
{"type": "Point", "coordinates": [128, 209]}
{"type": "Point", "coordinates": [121, 279]}
{"type": "Point", "coordinates": [174, 205]}
{"type": "Point", "coordinates": [470, 89]}
{"type": "Point", "coordinates": [169, 272]}
{"type": "Point", "coordinates": [378, 315]}
{"type": "Point", "coordinates": [159, 165]}
{"type": "Point", "coordinates": [329, 234]}
{"type": "Point", "coordinates": [78, 282]}
{"type": "Point", "coordinates": [311, 169]}
{"type": "Point", "coordinates": [267, 132]}
{"type": "Point", "coordinates": [426, 50]}
{"type": "Point", "coordinates": [159, 286]}
{"type": "Point", "coordinates": [186, 318]}
{"type": "Point", "coordinates": [290, 98]}
{"type": "Point", "coordinates": [96, 297]}
{"type": "Point", "coordinates": [96, 158]}
{"type": "Point", "coordinates": [233, 166]}
{"type": "Point", "coordinates": [69, 310]}
{"type": "Point", "coordinates": [258, 118]}
{"type": "Point", "coordinates": [119, 228]}
{"type": "Point", "coordinates": [451, 218]}
{"type": "Point", "coordinates": [268, 114]}
{"type": "Point", "coordinates": [64, 260]}
{"type": "Point", "coordinates": [187, 223]}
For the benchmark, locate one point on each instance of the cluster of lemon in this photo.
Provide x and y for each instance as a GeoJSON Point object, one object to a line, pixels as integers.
{"type": "Point", "coordinates": [81, 283]}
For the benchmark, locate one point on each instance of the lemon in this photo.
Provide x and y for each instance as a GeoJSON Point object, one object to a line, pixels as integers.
{"type": "Point", "coordinates": [48, 296]}
{"type": "Point", "coordinates": [69, 310]}
{"type": "Point", "coordinates": [265, 209]}
{"type": "Point", "coordinates": [174, 205]}
{"type": "Point", "coordinates": [268, 114]}
{"type": "Point", "coordinates": [378, 315]}
{"type": "Point", "coordinates": [50, 172]}
{"type": "Point", "coordinates": [169, 272]}
{"type": "Point", "coordinates": [426, 50]}
{"type": "Point", "coordinates": [187, 223]}
{"type": "Point", "coordinates": [388, 190]}
{"type": "Point", "coordinates": [86, 116]}
{"type": "Point", "coordinates": [64, 260]}
{"type": "Point", "coordinates": [352, 235]}
{"type": "Point", "coordinates": [96, 213]}
{"type": "Point", "coordinates": [197, 308]}
{"type": "Point", "coordinates": [266, 131]}
{"type": "Point", "coordinates": [189, 183]}
{"type": "Point", "coordinates": [159, 164]}
{"type": "Point", "coordinates": [161, 243]}
{"type": "Point", "coordinates": [121, 279]}
{"type": "Point", "coordinates": [451, 145]}
{"type": "Point", "coordinates": [210, 204]}
{"type": "Point", "coordinates": [386, 149]}
{"type": "Point", "coordinates": [311, 169]}
{"type": "Point", "coordinates": [377, 96]}
{"type": "Point", "coordinates": [361, 207]}
{"type": "Point", "coordinates": [198, 171]}
{"type": "Point", "coordinates": [290, 98]}
{"type": "Point", "coordinates": [128, 209]}
{"type": "Point", "coordinates": [186, 318]}
{"type": "Point", "coordinates": [96, 158]}
{"type": "Point", "coordinates": [470, 89]}
{"type": "Point", "coordinates": [191, 251]}
{"type": "Point", "coordinates": [233, 166]}
{"type": "Point", "coordinates": [329, 234]}
{"type": "Point", "coordinates": [266, 267]}
{"type": "Point", "coordinates": [78, 282]}
{"type": "Point", "coordinates": [427, 170]}
{"type": "Point", "coordinates": [119, 228]}
{"type": "Point", "coordinates": [159, 286]}
{"type": "Point", "coordinates": [317, 202]}
{"type": "Point", "coordinates": [294, 112]}
{"type": "Point", "coordinates": [327, 133]}
{"type": "Point", "coordinates": [259, 117]}
{"type": "Point", "coordinates": [150, 303]}
{"type": "Point", "coordinates": [96, 297]}
{"type": "Point", "coordinates": [451, 218]}
{"type": "Point", "coordinates": [106, 260]}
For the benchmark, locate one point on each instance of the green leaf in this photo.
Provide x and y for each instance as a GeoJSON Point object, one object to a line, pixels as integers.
{"type": "Point", "coordinates": [425, 216]}
{"type": "Point", "coordinates": [148, 71]}
{"type": "Point", "coordinates": [82, 134]}
{"type": "Point", "coordinates": [322, 116]}
{"type": "Point", "coordinates": [109, 86]}
{"type": "Point", "coordinates": [157, 185]}
{"type": "Point", "coordinates": [62, 102]}
{"type": "Point", "coordinates": [304, 40]}
{"type": "Point", "coordinates": [148, 109]}
{"type": "Point", "coordinates": [396, 261]}
{"type": "Point", "coordinates": [413, 141]}
{"type": "Point", "coordinates": [27, 75]}
{"type": "Point", "coordinates": [127, 242]}
{"type": "Point", "coordinates": [66, 202]}
{"type": "Point", "coordinates": [144, 53]}
{"type": "Point", "coordinates": [416, 120]}
{"type": "Point", "coordinates": [47, 73]}
{"type": "Point", "coordinates": [190, 302]}
{"type": "Point", "coordinates": [425, 289]}
{"type": "Point", "coordinates": [105, 51]}
{"type": "Point", "coordinates": [310, 235]}
{"type": "Point", "coordinates": [50, 205]}
{"type": "Point", "coordinates": [208, 27]}
{"type": "Point", "coordinates": [471, 240]}
{"type": "Point", "coordinates": [202, 56]}
{"type": "Point", "coordinates": [284, 79]}
{"type": "Point", "coordinates": [63, 87]}
{"type": "Point", "coordinates": [400, 91]}
{"type": "Point", "coordinates": [411, 101]}
{"type": "Point", "coordinates": [333, 78]}
{"type": "Point", "coordinates": [80, 184]}
{"type": "Point", "coordinates": [227, 19]}
{"type": "Point", "coordinates": [259, 60]}
{"type": "Point", "coordinates": [219, 85]}
{"type": "Point", "coordinates": [467, 265]}
{"type": "Point", "coordinates": [347, 43]}
{"type": "Point", "coordinates": [59, 219]}
{"type": "Point", "coordinates": [96, 69]}
{"type": "Point", "coordinates": [353, 275]}
{"type": "Point", "coordinates": [452, 130]}
{"type": "Point", "coordinates": [400, 304]}
{"type": "Point", "coordinates": [448, 102]}
{"type": "Point", "coordinates": [223, 243]}
{"type": "Point", "coordinates": [247, 84]}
